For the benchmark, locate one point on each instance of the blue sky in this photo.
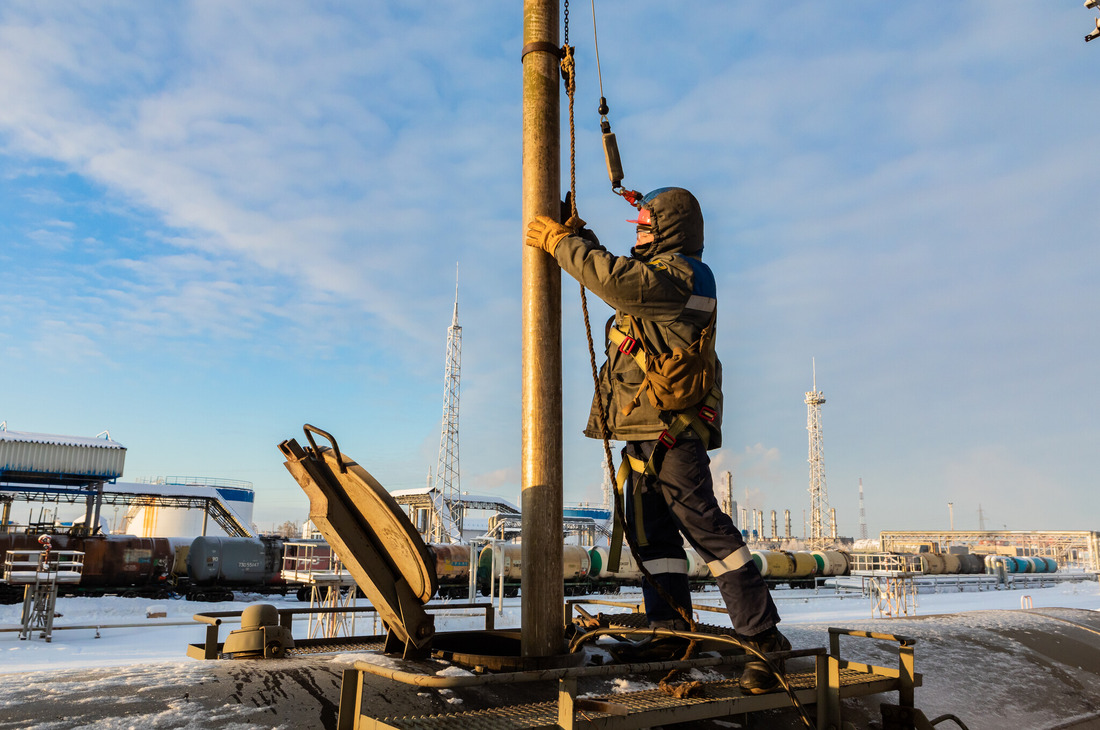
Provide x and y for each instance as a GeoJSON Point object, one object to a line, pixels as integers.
{"type": "Point", "coordinates": [219, 221]}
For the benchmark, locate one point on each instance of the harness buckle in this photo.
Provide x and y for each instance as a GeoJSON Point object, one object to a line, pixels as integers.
{"type": "Point", "coordinates": [708, 414]}
{"type": "Point", "coordinates": [667, 439]}
{"type": "Point", "coordinates": [627, 345]}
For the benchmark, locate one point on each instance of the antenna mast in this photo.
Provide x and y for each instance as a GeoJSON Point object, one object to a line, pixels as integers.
{"type": "Point", "coordinates": [862, 513]}
{"type": "Point", "coordinates": [448, 528]}
{"type": "Point", "coordinates": [608, 488]}
{"type": "Point", "coordinates": [819, 496]}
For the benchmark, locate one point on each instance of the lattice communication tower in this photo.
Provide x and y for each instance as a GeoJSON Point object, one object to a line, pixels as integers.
{"type": "Point", "coordinates": [862, 513]}
{"type": "Point", "coordinates": [608, 488]}
{"type": "Point", "coordinates": [449, 527]}
{"type": "Point", "coordinates": [819, 495]}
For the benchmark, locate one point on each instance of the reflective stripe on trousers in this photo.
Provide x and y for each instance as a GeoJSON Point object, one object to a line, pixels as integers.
{"type": "Point", "coordinates": [737, 559]}
{"type": "Point", "coordinates": [680, 500]}
{"type": "Point", "coordinates": [667, 565]}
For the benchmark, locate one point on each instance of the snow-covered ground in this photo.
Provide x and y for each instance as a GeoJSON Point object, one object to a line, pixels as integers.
{"type": "Point", "coordinates": [139, 676]}
{"type": "Point", "coordinates": [135, 645]}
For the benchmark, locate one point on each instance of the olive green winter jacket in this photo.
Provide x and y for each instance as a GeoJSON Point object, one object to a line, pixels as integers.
{"type": "Point", "coordinates": [668, 290]}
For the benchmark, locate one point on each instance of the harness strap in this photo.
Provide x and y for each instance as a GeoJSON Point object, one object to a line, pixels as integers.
{"type": "Point", "coordinates": [634, 346]}
{"type": "Point", "coordinates": [615, 548]}
{"type": "Point", "coordinates": [627, 345]}
{"type": "Point", "coordinates": [699, 422]}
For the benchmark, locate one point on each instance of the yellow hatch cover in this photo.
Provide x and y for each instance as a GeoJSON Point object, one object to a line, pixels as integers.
{"type": "Point", "coordinates": [371, 535]}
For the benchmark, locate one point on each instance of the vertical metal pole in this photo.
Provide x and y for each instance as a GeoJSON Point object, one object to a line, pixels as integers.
{"type": "Point", "coordinates": [89, 502]}
{"type": "Point", "coordinates": [472, 594]}
{"type": "Point", "coordinates": [541, 555]}
{"type": "Point", "coordinates": [94, 526]}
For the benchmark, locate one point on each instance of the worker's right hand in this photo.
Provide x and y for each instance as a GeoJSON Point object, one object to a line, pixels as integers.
{"type": "Point", "coordinates": [544, 232]}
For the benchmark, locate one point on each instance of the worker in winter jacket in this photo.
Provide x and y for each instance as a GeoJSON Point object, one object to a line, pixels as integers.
{"type": "Point", "coordinates": [661, 391]}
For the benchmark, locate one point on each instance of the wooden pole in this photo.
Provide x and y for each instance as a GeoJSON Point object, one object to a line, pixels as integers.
{"type": "Point", "coordinates": [541, 555]}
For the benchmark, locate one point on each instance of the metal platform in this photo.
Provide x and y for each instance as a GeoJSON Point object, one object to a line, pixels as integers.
{"type": "Point", "coordinates": [829, 681]}
{"type": "Point", "coordinates": [383, 552]}
{"type": "Point", "coordinates": [211, 647]}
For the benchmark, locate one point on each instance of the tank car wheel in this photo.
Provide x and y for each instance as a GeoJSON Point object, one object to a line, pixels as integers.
{"type": "Point", "coordinates": [129, 594]}
{"type": "Point", "coordinates": [303, 594]}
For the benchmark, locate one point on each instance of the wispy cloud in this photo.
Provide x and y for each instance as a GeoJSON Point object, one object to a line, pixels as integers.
{"type": "Point", "coordinates": [900, 191]}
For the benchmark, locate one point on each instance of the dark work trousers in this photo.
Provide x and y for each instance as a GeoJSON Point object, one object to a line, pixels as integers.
{"type": "Point", "coordinates": [680, 501]}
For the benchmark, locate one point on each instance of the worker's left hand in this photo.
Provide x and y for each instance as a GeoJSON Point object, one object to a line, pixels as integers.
{"type": "Point", "coordinates": [572, 221]}
{"type": "Point", "coordinates": [544, 232]}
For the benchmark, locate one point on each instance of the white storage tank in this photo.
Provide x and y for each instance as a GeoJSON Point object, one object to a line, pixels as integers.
{"type": "Point", "coordinates": [164, 520]}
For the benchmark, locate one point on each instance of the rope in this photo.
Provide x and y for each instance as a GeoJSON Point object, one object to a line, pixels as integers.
{"type": "Point", "coordinates": [568, 69]}
{"type": "Point", "coordinates": [596, 44]}
{"type": "Point", "coordinates": [569, 75]}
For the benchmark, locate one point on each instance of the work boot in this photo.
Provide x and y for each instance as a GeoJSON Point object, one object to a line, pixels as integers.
{"type": "Point", "coordinates": [757, 678]}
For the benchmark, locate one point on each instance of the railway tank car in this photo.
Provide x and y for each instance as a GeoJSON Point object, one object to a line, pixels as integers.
{"type": "Point", "coordinates": [113, 564]}
{"type": "Point", "coordinates": [211, 568]}
{"type": "Point", "coordinates": [585, 570]}
{"type": "Point", "coordinates": [217, 565]}
{"type": "Point", "coordinates": [605, 581]}
{"type": "Point", "coordinates": [452, 569]}
{"type": "Point", "coordinates": [505, 560]}
{"type": "Point", "coordinates": [203, 568]}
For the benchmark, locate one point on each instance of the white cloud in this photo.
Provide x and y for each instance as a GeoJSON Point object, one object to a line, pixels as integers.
{"type": "Point", "coordinates": [900, 191]}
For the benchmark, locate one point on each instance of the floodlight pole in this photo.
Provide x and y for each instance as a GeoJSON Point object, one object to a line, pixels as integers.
{"type": "Point", "coordinates": [543, 591]}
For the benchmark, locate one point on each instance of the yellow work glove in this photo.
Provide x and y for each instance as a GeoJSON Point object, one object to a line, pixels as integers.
{"type": "Point", "coordinates": [544, 232]}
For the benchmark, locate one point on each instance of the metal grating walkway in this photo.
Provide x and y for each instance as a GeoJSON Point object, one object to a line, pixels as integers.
{"type": "Point", "coordinates": [644, 707]}
{"type": "Point", "coordinates": [340, 644]}
{"type": "Point", "coordinates": [831, 680]}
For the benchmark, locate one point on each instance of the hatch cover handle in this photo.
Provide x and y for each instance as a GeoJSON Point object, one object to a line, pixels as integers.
{"type": "Point", "coordinates": [310, 430]}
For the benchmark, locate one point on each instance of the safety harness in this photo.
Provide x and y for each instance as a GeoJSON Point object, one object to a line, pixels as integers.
{"type": "Point", "coordinates": [699, 418]}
